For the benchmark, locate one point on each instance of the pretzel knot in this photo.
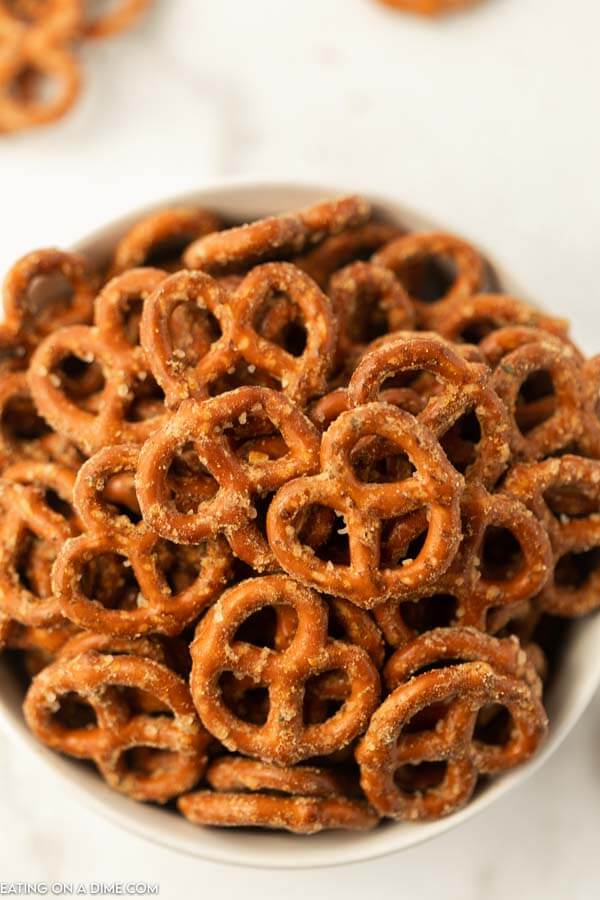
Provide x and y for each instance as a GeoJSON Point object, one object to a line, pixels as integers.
{"type": "Point", "coordinates": [38, 519]}
{"type": "Point", "coordinates": [34, 52]}
{"type": "Point", "coordinates": [237, 482]}
{"type": "Point", "coordinates": [475, 588]}
{"type": "Point", "coordinates": [119, 577]}
{"type": "Point", "coordinates": [369, 507]}
{"type": "Point", "coordinates": [239, 248]}
{"type": "Point", "coordinates": [238, 341]}
{"type": "Point", "coordinates": [564, 494]}
{"type": "Point", "coordinates": [148, 757]}
{"type": "Point", "coordinates": [301, 799]}
{"type": "Point", "coordinates": [462, 392]}
{"type": "Point", "coordinates": [412, 256]}
{"type": "Point", "coordinates": [426, 744]}
{"type": "Point", "coordinates": [284, 737]}
{"type": "Point", "coordinates": [93, 384]}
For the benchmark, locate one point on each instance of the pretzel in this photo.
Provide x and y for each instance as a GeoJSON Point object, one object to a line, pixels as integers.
{"type": "Point", "coordinates": [117, 373]}
{"type": "Point", "coordinates": [407, 257]}
{"type": "Point", "coordinates": [554, 421]}
{"type": "Point", "coordinates": [184, 374]}
{"type": "Point", "coordinates": [340, 250]}
{"type": "Point", "coordinates": [276, 237]}
{"type": "Point", "coordinates": [159, 238]}
{"type": "Point", "coordinates": [32, 531]}
{"type": "Point", "coordinates": [473, 318]}
{"type": "Point", "coordinates": [114, 20]}
{"type": "Point", "coordinates": [473, 593]}
{"type": "Point", "coordinates": [359, 294]}
{"type": "Point", "coordinates": [147, 757]}
{"type": "Point", "coordinates": [152, 604]}
{"type": "Point", "coordinates": [429, 7]}
{"type": "Point", "coordinates": [479, 671]}
{"type": "Point", "coordinates": [434, 486]}
{"type": "Point", "coordinates": [283, 738]}
{"type": "Point", "coordinates": [231, 509]}
{"type": "Point", "coordinates": [462, 388]}
{"type": "Point", "coordinates": [589, 441]}
{"type": "Point", "coordinates": [35, 51]}
{"type": "Point", "coordinates": [564, 494]}
{"type": "Point", "coordinates": [37, 316]}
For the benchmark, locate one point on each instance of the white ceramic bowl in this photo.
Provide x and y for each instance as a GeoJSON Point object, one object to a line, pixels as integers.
{"type": "Point", "coordinates": [569, 696]}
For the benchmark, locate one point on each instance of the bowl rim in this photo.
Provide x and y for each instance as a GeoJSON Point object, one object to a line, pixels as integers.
{"type": "Point", "coordinates": [281, 851]}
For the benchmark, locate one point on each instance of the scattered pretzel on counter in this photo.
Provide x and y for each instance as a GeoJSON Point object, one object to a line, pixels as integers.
{"type": "Point", "coordinates": [292, 512]}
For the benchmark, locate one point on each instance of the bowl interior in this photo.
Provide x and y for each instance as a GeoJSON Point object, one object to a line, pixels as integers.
{"type": "Point", "coordinates": [567, 699]}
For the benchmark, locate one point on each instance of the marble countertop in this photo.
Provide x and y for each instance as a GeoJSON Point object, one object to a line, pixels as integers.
{"type": "Point", "coordinates": [485, 122]}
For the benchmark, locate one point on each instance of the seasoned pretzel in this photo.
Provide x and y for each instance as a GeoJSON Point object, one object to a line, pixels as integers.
{"type": "Point", "coordinates": [277, 237]}
{"type": "Point", "coordinates": [167, 752]}
{"type": "Point", "coordinates": [364, 507]}
{"type": "Point", "coordinates": [479, 671]}
{"type": "Point", "coordinates": [238, 773]}
{"type": "Point", "coordinates": [157, 606]}
{"type": "Point", "coordinates": [236, 313]}
{"type": "Point", "coordinates": [473, 318]}
{"type": "Point", "coordinates": [340, 250]}
{"type": "Point", "coordinates": [474, 592]}
{"type": "Point", "coordinates": [463, 388]}
{"type": "Point", "coordinates": [231, 510]}
{"type": "Point", "coordinates": [36, 317]}
{"type": "Point", "coordinates": [408, 255]}
{"type": "Point", "coordinates": [429, 7]}
{"type": "Point", "coordinates": [359, 293]}
{"type": "Point", "coordinates": [564, 494]}
{"type": "Point", "coordinates": [31, 535]}
{"type": "Point", "coordinates": [589, 442]}
{"type": "Point", "coordinates": [284, 738]}
{"type": "Point", "coordinates": [113, 21]}
{"type": "Point", "coordinates": [117, 372]}
{"type": "Point", "coordinates": [160, 238]}
{"type": "Point", "coordinates": [548, 423]}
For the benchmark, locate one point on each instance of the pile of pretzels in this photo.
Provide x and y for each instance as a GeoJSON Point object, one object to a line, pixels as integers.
{"type": "Point", "coordinates": [40, 77]}
{"type": "Point", "coordinates": [292, 512]}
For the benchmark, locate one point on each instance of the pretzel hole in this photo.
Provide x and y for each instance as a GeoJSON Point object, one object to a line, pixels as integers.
{"type": "Point", "coordinates": [377, 461]}
{"type": "Point", "coordinates": [47, 296]}
{"type": "Point", "coordinates": [402, 540]}
{"type": "Point", "coordinates": [118, 494]}
{"type": "Point", "coordinates": [241, 374]}
{"type": "Point", "coordinates": [501, 554]}
{"type": "Point", "coordinates": [34, 87]}
{"type": "Point", "coordinates": [494, 725]}
{"type": "Point", "coordinates": [478, 328]}
{"type": "Point", "coordinates": [570, 502]}
{"type": "Point", "coordinates": [149, 762]}
{"type": "Point", "coordinates": [20, 421]}
{"type": "Point", "coordinates": [416, 778]}
{"type": "Point", "coordinates": [58, 504]}
{"type": "Point", "coordinates": [460, 441]}
{"type": "Point", "coordinates": [143, 702]}
{"type": "Point", "coordinates": [437, 611]}
{"type": "Point", "coordinates": [109, 580]}
{"type": "Point", "coordinates": [247, 700]}
{"type": "Point", "coordinates": [324, 696]}
{"type": "Point", "coordinates": [80, 379]}
{"type": "Point", "coordinates": [574, 571]}
{"type": "Point", "coordinates": [192, 331]}
{"type": "Point", "coordinates": [536, 401]}
{"type": "Point", "coordinates": [74, 713]}
{"type": "Point", "coordinates": [428, 278]}
{"type": "Point", "coordinates": [327, 537]}
{"type": "Point", "coordinates": [180, 566]}
{"type": "Point", "coordinates": [280, 321]}
{"type": "Point", "coordinates": [33, 564]}
{"type": "Point", "coordinates": [272, 626]}
{"type": "Point", "coordinates": [188, 482]}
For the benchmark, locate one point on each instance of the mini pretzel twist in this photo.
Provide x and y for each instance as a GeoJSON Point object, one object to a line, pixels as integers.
{"type": "Point", "coordinates": [564, 494]}
{"type": "Point", "coordinates": [479, 670]}
{"type": "Point", "coordinates": [435, 486]}
{"type": "Point", "coordinates": [157, 606]}
{"type": "Point", "coordinates": [249, 792]}
{"type": "Point", "coordinates": [339, 250]}
{"type": "Point", "coordinates": [284, 738]}
{"type": "Point", "coordinates": [117, 372]}
{"type": "Point", "coordinates": [276, 237]}
{"type": "Point", "coordinates": [231, 509]}
{"type": "Point", "coordinates": [462, 388]}
{"type": "Point", "coordinates": [31, 534]}
{"type": "Point", "coordinates": [407, 257]}
{"type": "Point", "coordinates": [475, 592]}
{"type": "Point", "coordinates": [473, 318]}
{"type": "Point", "coordinates": [147, 757]}
{"type": "Point", "coordinates": [163, 235]}
{"type": "Point", "coordinates": [300, 377]}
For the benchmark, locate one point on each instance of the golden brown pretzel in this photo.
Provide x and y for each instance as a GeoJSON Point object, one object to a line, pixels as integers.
{"type": "Point", "coordinates": [100, 407]}
{"type": "Point", "coordinates": [473, 318]}
{"type": "Point", "coordinates": [147, 757]}
{"type": "Point", "coordinates": [196, 375]}
{"type": "Point", "coordinates": [473, 588]}
{"type": "Point", "coordinates": [478, 671]}
{"type": "Point", "coordinates": [284, 738]}
{"type": "Point", "coordinates": [150, 604]}
{"type": "Point", "coordinates": [230, 506]}
{"type": "Point", "coordinates": [277, 237]}
{"type": "Point", "coordinates": [435, 486]}
{"type": "Point", "coordinates": [341, 249]}
{"type": "Point", "coordinates": [38, 518]}
{"type": "Point", "coordinates": [564, 494]}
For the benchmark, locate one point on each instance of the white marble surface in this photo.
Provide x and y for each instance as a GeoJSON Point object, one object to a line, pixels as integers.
{"type": "Point", "coordinates": [487, 122]}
